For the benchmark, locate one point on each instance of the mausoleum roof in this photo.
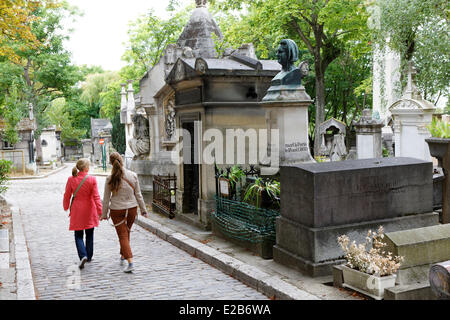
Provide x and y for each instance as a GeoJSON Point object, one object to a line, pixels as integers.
{"type": "Point", "coordinates": [231, 66]}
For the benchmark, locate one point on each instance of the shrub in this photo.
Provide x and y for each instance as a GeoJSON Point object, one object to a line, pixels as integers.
{"type": "Point", "coordinates": [439, 129]}
{"type": "Point", "coordinates": [5, 169]}
{"type": "Point", "coordinates": [373, 261]}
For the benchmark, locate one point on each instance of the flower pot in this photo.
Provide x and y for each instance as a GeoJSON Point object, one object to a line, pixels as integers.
{"type": "Point", "coordinates": [439, 147]}
{"type": "Point", "coordinates": [370, 285]}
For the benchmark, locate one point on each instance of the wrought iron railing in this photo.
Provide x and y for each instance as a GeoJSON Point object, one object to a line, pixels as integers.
{"type": "Point", "coordinates": [236, 218]}
{"type": "Point", "coordinates": [164, 189]}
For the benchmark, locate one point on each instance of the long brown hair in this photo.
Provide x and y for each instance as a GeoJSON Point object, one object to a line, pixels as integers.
{"type": "Point", "coordinates": [116, 172]}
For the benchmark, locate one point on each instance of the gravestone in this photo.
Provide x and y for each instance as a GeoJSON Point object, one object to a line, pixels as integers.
{"type": "Point", "coordinates": [321, 201]}
{"type": "Point", "coordinates": [412, 114]}
{"type": "Point", "coordinates": [328, 141]}
{"type": "Point", "coordinates": [368, 136]}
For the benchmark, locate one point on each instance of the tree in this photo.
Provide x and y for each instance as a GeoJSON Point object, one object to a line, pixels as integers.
{"type": "Point", "coordinates": [46, 71]}
{"type": "Point", "coordinates": [59, 115]}
{"type": "Point", "coordinates": [418, 31]}
{"type": "Point", "coordinates": [149, 35]}
{"type": "Point", "coordinates": [16, 17]}
{"type": "Point", "coordinates": [326, 28]}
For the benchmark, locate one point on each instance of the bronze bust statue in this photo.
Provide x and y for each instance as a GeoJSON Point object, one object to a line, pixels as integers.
{"type": "Point", "coordinates": [287, 54]}
{"type": "Point", "coordinates": [287, 84]}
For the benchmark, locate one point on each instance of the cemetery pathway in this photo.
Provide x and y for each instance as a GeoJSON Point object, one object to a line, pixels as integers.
{"type": "Point", "coordinates": [162, 271]}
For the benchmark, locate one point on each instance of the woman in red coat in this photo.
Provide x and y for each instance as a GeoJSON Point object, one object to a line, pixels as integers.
{"type": "Point", "coordinates": [85, 210]}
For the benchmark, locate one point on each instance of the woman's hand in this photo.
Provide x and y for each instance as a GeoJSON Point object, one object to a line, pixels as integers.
{"type": "Point", "coordinates": [144, 214]}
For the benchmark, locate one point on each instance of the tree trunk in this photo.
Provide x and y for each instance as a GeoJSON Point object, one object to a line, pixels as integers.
{"type": "Point", "coordinates": [320, 104]}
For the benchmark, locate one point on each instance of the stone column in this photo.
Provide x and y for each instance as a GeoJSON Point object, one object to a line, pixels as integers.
{"type": "Point", "coordinates": [290, 117]}
{"type": "Point", "coordinates": [130, 109]}
{"type": "Point", "coordinates": [368, 136]}
{"type": "Point", "coordinates": [287, 111]}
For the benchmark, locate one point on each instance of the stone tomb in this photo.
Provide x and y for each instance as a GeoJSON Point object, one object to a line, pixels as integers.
{"type": "Point", "coordinates": [322, 201]}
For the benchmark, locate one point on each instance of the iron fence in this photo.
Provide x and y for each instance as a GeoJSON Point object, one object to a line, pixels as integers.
{"type": "Point", "coordinates": [164, 188]}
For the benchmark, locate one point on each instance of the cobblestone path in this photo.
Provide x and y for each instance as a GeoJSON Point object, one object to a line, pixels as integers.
{"type": "Point", "coordinates": [162, 271]}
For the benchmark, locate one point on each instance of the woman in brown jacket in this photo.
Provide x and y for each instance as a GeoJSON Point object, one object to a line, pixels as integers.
{"type": "Point", "coordinates": [122, 196]}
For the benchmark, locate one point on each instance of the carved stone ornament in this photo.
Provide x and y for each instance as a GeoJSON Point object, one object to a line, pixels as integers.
{"type": "Point", "coordinates": [200, 66]}
{"type": "Point", "coordinates": [170, 120]}
{"type": "Point", "coordinates": [140, 143]}
{"type": "Point", "coordinates": [179, 71]}
{"type": "Point", "coordinates": [406, 104]}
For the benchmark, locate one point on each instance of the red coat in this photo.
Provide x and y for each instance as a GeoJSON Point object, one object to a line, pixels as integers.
{"type": "Point", "coordinates": [87, 206]}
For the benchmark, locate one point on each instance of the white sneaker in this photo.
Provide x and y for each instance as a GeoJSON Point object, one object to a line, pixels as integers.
{"type": "Point", "coordinates": [129, 268]}
{"type": "Point", "coordinates": [82, 262]}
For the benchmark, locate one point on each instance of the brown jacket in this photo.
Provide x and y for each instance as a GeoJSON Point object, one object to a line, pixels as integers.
{"type": "Point", "coordinates": [125, 198]}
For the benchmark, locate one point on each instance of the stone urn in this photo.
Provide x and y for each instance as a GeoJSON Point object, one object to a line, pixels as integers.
{"type": "Point", "coordinates": [439, 148]}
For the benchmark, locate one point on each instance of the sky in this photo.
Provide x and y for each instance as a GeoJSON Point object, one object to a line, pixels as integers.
{"type": "Point", "coordinates": [100, 35]}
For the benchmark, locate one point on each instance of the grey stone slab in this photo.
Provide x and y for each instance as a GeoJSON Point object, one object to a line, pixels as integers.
{"type": "Point", "coordinates": [415, 291]}
{"type": "Point", "coordinates": [420, 246]}
{"type": "Point", "coordinates": [353, 191]}
{"type": "Point", "coordinates": [320, 244]}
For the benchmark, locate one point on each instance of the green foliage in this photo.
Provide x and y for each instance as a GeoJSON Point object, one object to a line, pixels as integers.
{"type": "Point", "coordinates": [60, 116]}
{"type": "Point", "coordinates": [118, 135]}
{"type": "Point", "coordinates": [5, 170]}
{"type": "Point", "coordinates": [255, 191]}
{"type": "Point", "coordinates": [149, 35]}
{"type": "Point", "coordinates": [43, 73]}
{"type": "Point", "coordinates": [326, 30]}
{"type": "Point", "coordinates": [11, 112]}
{"type": "Point", "coordinates": [439, 129]}
{"type": "Point", "coordinates": [235, 174]}
{"type": "Point", "coordinates": [418, 31]}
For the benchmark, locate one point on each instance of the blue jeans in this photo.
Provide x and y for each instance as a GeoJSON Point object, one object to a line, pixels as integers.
{"type": "Point", "coordinates": [88, 249]}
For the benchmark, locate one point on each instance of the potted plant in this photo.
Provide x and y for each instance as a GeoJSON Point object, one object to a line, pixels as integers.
{"type": "Point", "coordinates": [369, 271]}
{"type": "Point", "coordinates": [440, 139]}
{"type": "Point", "coordinates": [263, 194]}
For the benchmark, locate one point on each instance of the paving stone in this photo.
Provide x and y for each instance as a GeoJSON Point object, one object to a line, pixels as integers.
{"type": "Point", "coordinates": [162, 270]}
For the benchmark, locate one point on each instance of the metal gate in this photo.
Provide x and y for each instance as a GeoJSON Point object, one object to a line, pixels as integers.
{"type": "Point", "coordinates": [164, 188]}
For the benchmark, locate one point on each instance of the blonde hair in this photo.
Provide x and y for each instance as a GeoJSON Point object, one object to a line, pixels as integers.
{"type": "Point", "coordinates": [82, 164]}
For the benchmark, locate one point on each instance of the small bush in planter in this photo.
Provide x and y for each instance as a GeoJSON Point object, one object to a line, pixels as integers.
{"type": "Point", "coordinates": [373, 261]}
{"type": "Point", "coordinates": [369, 271]}
{"type": "Point", "coordinates": [263, 194]}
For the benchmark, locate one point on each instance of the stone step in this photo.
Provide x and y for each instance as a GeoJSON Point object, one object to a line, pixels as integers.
{"type": "Point", "coordinates": [421, 246]}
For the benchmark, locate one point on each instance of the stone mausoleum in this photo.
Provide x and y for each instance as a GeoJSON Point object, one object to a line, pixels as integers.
{"type": "Point", "coordinates": [189, 91]}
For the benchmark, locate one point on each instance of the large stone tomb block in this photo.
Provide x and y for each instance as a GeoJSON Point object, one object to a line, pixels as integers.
{"type": "Point", "coordinates": [322, 201]}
